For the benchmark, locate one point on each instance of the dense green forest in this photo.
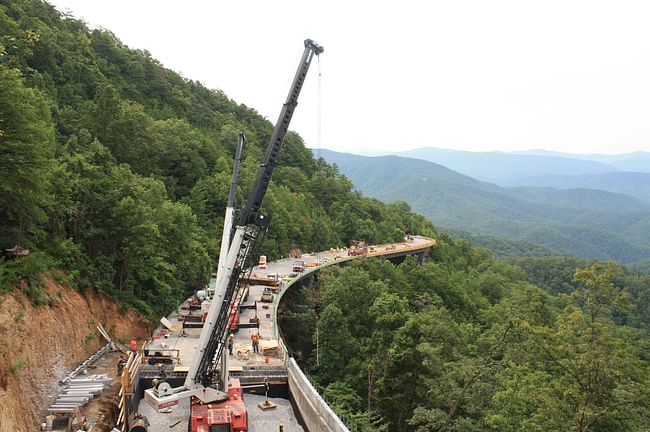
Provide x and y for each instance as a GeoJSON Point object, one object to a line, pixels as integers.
{"type": "Point", "coordinates": [502, 247]}
{"type": "Point", "coordinates": [465, 343]}
{"type": "Point", "coordinates": [115, 171]}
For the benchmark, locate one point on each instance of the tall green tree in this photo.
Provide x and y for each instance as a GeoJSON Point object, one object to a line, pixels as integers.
{"type": "Point", "coordinates": [26, 159]}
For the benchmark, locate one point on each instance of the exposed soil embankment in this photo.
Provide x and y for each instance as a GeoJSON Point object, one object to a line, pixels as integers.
{"type": "Point", "coordinates": [40, 344]}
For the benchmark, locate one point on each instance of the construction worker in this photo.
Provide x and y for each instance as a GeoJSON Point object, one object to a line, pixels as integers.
{"type": "Point", "coordinates": [255, 339]}
{"type": "Point", "coordinates": [231, 342]}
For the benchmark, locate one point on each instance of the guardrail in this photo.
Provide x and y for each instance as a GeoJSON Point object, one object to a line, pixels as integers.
{"type": "Point", "coordinates": [316, 414]}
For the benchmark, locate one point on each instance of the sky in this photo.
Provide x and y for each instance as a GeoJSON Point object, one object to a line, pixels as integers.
{"type": "Point", "coordinates": [570, 76]}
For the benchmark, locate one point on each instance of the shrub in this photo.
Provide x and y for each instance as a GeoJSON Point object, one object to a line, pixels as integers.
{"type": "Point", "coordinates": [30, 269]}
{"type": "Point", "coordinates": [18, 366]}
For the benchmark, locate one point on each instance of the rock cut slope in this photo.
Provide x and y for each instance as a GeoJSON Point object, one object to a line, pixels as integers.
{"type": "Point", "coordinates": [39, 344]}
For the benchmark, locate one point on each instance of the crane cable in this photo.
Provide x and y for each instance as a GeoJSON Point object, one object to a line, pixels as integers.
{"type": "Point", "coordinates": [318, 223]}
{"type": "Point", "coordinates": [320, 106]}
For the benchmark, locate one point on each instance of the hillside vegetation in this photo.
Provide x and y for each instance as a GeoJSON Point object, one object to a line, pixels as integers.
{"type": "Point", "coordinates": [464, 343]}
{"type": "Point", "coordinates": [582, 222]}
{"type": "Point", "coordinates": [116, 170]}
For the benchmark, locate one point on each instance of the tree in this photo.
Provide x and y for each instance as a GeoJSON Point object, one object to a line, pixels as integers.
{"type": "Point", "coordinates": [27, 149]}
{"type": "Point", "coordinates": [580, 373]}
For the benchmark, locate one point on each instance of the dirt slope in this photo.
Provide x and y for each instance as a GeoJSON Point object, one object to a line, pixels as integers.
{"type": "Point", "coordinates": [38, 345]}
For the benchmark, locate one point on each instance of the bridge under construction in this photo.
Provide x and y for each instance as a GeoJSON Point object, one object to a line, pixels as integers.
{"type": "Point", "coordinates": [278, 395]}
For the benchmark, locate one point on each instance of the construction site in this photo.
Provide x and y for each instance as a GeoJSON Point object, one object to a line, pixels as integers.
{"type": "Point", "coordinates": [106, 389]}
{"type": "Point", "coordinates": [216, 363]}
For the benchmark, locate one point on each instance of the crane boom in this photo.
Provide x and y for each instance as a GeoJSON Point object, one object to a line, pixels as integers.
{"type": "Point", "coordinates": [201, 375]}
{"type": "Point", "coordinates": [254, 203]}
{"type": "Point", "coordinates": [230, 207]}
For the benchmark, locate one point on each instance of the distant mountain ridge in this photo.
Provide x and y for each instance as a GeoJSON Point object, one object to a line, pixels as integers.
{"type": "Point", "coordinates": [635, 161]}
{"type": "Point", "coordinates": [507, 168]}
{"type": "Point", "coordinates": [502, 168]}
{"type": "Point", "coordinates": [585, 223]}
{"type": "Point", "coordinates": [623, 173]}
{"type": "Point", "coordinates": [635, 184]}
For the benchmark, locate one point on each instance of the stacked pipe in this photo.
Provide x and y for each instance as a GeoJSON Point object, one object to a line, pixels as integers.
{"type": "Point", "coordinates": [83, 366]}
{"type": "Point", "coordinates": [77, 392]}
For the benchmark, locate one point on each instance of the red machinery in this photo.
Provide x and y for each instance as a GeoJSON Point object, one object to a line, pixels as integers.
{"type": "Point", "coordinates": [357, 248]}
{"type": "Point", "coordinates": [231, 412]}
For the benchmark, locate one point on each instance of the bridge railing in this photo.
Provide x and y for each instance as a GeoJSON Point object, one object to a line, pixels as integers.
{"type": "Point", "coordinates": [315, 412]}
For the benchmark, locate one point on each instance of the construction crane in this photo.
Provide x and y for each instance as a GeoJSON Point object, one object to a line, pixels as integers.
{"type": "Point", "coordinates": [217, 400]}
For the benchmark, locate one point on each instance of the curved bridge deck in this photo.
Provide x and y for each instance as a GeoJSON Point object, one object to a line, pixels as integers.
{"type": "Point", "coordinates": [258, 314]}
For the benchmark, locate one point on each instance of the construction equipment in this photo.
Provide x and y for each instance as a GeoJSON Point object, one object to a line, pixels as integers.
{"type": "Point", "coordinates": [267, 296]}
{"type": "Point", "coordinates": [242, 296]}
{"type": "Point", "coordinates": [298, 266]}
{"type": "Point", "coordinates": [357, 248]}
{"type": "Point", "coordinates": [217, 399]}
{"type": "Point", "coordinates": [261, 281]}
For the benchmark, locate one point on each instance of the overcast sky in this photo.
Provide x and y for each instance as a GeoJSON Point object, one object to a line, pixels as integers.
{"type": "Point", "coordinates": [571, 76]}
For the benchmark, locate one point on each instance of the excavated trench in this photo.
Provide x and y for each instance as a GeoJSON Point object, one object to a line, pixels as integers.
{"type": "Point", "coordinates": [40, 344]}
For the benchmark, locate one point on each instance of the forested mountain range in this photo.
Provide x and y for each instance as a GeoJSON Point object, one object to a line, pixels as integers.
{"type": "Point", "coordinates": [500, 168]}
{"type": "Point", "coordinates": [582, 222]}
{"type": "Point", "coordinates": [115, 170]}
{"type": "Point", "coordinates": [513, 168]}
{"type": "Point", "coordinates": [634, 184]}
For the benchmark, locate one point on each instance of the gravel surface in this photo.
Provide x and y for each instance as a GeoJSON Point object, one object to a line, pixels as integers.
{"type": "Point", "coordinates": [159, 422]}
{"type": "Point", "coordinates": [269, 420]}
{"type": "Point", "coordinates": [258, 419]}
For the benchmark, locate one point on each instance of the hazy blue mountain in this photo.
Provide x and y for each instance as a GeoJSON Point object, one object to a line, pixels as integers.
{"type": "Point", "coordinates": [585, 223]}
{"type": "Point", "coordinates": [375, 171]}
{"type": "Point", "coordinates": [635, 161]}
{"type": "Point", "coordinates": [639, 161]}
{"type": "Point", "coordinates": [503, 168]}
{"type": "Point", "coordinates": [636, 184]}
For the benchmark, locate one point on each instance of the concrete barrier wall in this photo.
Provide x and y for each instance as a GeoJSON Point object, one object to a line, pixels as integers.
{"type": "Point", "coordinates": [316, 414]}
